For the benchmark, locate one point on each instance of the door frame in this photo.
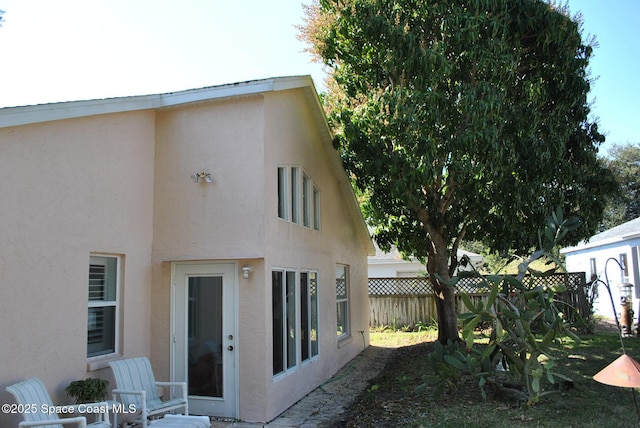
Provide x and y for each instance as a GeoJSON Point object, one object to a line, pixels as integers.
{"type": "Point", "coordinates": [174, 309]}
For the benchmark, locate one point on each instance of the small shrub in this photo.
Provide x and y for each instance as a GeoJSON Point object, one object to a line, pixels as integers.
{"type": "Point", "coordinates": [421, 326]}
{"type": "Point", "coordinates": [89, 390]}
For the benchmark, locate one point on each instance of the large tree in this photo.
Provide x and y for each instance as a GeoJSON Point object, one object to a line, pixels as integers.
{"type": "Point", "coordinates": [624, 161]}
{"type": "Point", "coordinates": [460, 119]}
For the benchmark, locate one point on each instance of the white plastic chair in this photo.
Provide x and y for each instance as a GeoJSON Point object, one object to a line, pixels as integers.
{"type": "Point", "coordinates": [32, 396]}
{"type": "Point", "coordinates": [138, 389]}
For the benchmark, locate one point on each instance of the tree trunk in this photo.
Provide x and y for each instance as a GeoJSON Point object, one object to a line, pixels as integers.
{"type": "Point", "coordinates": [447, 317]}
{"type": "Point", "coordinates": [438, 263]}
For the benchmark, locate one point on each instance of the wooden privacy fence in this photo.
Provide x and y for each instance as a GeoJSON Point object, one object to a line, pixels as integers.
{"type": "Point", "coordinates": [403, 302]}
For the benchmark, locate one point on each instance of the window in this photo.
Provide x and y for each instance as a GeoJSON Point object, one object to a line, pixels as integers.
{"type": "Point", "coordinates": [298, 198]}
{"type": "Point", "coordinates": [277, 321]}
{"type": "Point", "coordinates": [295, 195]}
{"type": "Point", "coordinates": [102, 323]}
{"type": "Point", "coordinates": [342, 300]}
{"type": "Point", "coordinates": [625, 266]}
{"type": "Point", "coordinates": [292, 290]}
{"type": "Point", "coordinates": [306, 201]}
{"type": "Point", "coordinates": [308, 315]}
{"type": "Point", "coordinates": [316, 208]}
{"type": "Point", "coordinates": [283, 208]}
{"type": "Point", "coordinates": [284, 320]}
{"type": "Point", "coordinates": [290, 305]}
{"type": "Point", "coordinates": [594, 270]}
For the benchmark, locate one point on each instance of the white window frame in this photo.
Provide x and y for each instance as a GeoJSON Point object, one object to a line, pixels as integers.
{"type": "Point", "coordinates": [342, 302]}
{"type": "Point", "coordinates": [307, 219]}
{"type": "Point", "coordinates": [296, 194]}
{"type": "Point", "coordinates": [99, 259]}
{"type": "Point", "coordinates": [283, 192]}
{"type": "Point", "coordinates": [289, 356]}
{"type": "Point", "coordinates": [298, 197]}
{"type": "Point", "coordinates": [291, 341]}
{"type": "Point", "coordinates": [316, 208]}
{"type": "Point", "coordinates": [311, 316]}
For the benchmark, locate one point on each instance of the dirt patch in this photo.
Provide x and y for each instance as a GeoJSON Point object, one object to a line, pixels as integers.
{"type": "Point", "coordinates": [389, 399]}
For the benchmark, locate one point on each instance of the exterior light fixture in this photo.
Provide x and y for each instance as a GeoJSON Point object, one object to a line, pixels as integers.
{"type": "Point", "coordinates": [204, 175]}
{"type": "Point", "coordinates": [246, 271]}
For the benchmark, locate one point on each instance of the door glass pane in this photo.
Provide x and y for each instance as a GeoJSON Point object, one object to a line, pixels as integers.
{"type": "Point", "coordinates": [205, 336]}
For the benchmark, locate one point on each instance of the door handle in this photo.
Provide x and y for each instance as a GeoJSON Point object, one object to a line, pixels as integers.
{"type": "Point", "coordinates": [230, 348]}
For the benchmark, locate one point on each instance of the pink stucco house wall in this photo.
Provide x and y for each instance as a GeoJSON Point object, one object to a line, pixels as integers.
{"type": "Point", "coordinates": [212, 230]}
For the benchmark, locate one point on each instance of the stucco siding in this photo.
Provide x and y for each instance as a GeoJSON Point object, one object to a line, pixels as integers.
{"type": "Point", "coordinates": [292, 138]}
{"type": "Point", "coordinates": [76, 181]}
{"type": "Point", "coordinates": [71, 188]}
{"type": "Point", "coordinates": [221, 220]}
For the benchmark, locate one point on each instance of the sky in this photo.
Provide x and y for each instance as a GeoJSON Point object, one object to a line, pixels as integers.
{"type": "Point", "coordinates": [67, 50]}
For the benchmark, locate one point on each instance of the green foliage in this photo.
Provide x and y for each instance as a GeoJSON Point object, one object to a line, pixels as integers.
{"type": "Point", "coordinates": [461, 120]}
{"type": "Point", "coordinates": [526, 323]}
{"type": "Point", "coordinates": [451, 363]}
{"type": "Point", "coordinates": [403, 381]}
{"type": "Point", "coordinates": [89, 390]}
{"type": "Point", "coordinates": [582, 403]}
{"type": "Point", "coordinates": [467, 113]}
{"type": "Point", "coordinates": [373, 388]}
{"type": "Point", "coordinates": [422, 326]}
{"type": "Point", "coordinates": [623, 206]}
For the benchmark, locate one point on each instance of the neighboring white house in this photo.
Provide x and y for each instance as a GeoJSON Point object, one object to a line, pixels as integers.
{"type": "Point", "coordinates": [393, 265]}
{"type": "Point", "coordinates": [212, 230]}
{"type": "Point", "coordinates": [621, 243]}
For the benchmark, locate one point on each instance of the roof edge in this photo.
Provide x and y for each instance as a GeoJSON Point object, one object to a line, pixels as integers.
{"type": "Point", "coordinates": [23, 115]}
{"type": "Point", "coordinates": [599, 243]}
{"type": "Point", "coordinates": [343, 179]}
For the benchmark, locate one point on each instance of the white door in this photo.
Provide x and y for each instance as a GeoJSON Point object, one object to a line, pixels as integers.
{"type": "Point", "coordinates": [204, 330]}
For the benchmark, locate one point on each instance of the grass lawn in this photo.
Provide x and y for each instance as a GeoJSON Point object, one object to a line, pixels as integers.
{"type": "Point", "coordinates": [391, 399]}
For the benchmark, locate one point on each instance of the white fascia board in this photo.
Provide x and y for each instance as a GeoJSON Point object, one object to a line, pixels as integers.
{"type": "Point", "coordinates": [217, 92]}
{"type": "Point", "coordinates": [601, 243]}
{"type": "Point", "coordinates": [589, 245]}
{"type": "Point", "coordinates": [15, 116]}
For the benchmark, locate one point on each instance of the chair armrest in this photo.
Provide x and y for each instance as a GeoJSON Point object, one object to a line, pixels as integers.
{"type": "Point", "coordinates": [182, 385]}
{"type": "Point", "coordinates": [142, 394]}
{"type": "Point", "coordinates": [143, 400]}
{"type": "Point", "coordinates": [115, 392]}
{"type": "Point", "coordinates": [80, 422]}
